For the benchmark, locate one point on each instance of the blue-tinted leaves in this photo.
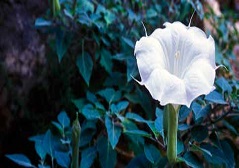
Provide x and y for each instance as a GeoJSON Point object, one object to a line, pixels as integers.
{"type": "Point", "coordinates": [183, 113]}
{"type": "Point", "coordinates": [191, 160]}
{"type": "Point", "coordinates": [220, 155]}
{"type": "Point", "coordinates": [152, 153]}
{"type": "Point", "coordinates": [62, 158]}
{"type": "Point", "coordinates": [20, 159]}
{"type": "Point", "coordinates": [110, 95]}
{"type": "Point", "coordinates": [224, 85]}
{"type": "Point", "coordinates": [116, 108]}
{"type": "Point", "coordinates": [63, 119]}
{"type": "Point", "coordinates": [87, 132]}
{"type": "Point", "coordinates": [107, 156]}
{"type": "Point", "coordinates": [41, 22]}
{"type": "Point", "coordinates": [139, 161]}
{"type": "Point", "coordinates": [215, 97]}
{"type": "Point", "coordinates": [135, 117]}
{"type": "Point", "coordinates": [159, 122]}
{"type": "Point", "coordinates": [199, 111]}
{"type": "Point", "coordinates": [90, 113]}
{"type": "Point", "coordinates": [199, 133]}
{"type": "Point", "coordinates": [63, 40]}
{"type": "Point", "coordinates": [106, 60]}
{"type": "Point", "coordinates": [85, 65]}
{"type": "Point", "coordinates": [48, 143]}
{"type": "Point", "coordinates": [39, 147]}
{"type": "Point", "coordinates": [87, 157]}
{"type": "Point", "coordinates": [128, 42]}
{"type": "Point", "coordinates": [113, 131]}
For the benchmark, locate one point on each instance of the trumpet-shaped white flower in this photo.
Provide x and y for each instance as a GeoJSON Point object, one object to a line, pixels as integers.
{"type": "Point", "coordinates": [177, 63]}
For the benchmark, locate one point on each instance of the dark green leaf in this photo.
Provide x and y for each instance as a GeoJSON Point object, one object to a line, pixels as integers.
{"type": "Point", "coordinates": [128, 41]}
{"type": "Point", "coordinates": [90, 112]}
{"type": "Point", "coordinates": [152, 153]}
{"type": "Point", "coordinates": [137, 132]}
{"type": "Point", "coordinates": [20, 159]}
{"type": "Point", "coordinates": [199, 133]}
{"type": "Point", "coordinates": [62, 158]}
{"type": "Point", "coordinates": [139, 161]}
{"type": "Point", "coordinates": [106, 60]}
{"type": "Point", "coordinates": [191, 160]}
{"type": "Point", "coordinates": [85, 65]}
{"type": "Point", "coordinates": [88, 156]}
{"type": "Point", "coordinates": [135, 117]}
{"type": "Point", "coordinates": [113, 131]}
{"type": "Point", "coordinates": [63, 40]}
{"type": "Point", "coordinates": [159, 122]}
{"type": "Point", "coordinates": [110, 95]}
{"type": "Point", "coordinates": [228, 153]}
{"type": "Point", "coordinates": [107, 156]}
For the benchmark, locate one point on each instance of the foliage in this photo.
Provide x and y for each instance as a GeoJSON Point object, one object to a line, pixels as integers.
{"type": "Point", "coordinates": [118, 117]}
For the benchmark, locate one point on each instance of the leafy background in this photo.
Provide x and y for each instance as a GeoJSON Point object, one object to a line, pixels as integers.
{"type": "Point", "coordinates": [81, 59]}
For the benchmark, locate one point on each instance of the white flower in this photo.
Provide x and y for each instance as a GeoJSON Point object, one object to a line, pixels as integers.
{"type": "Point", "coordinates": [176, 64]}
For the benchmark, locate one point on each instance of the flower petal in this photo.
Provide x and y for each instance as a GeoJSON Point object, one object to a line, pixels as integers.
{"type": "Point", "coordinates": [199, 79]}
{"type": "Point", "coordinates": [166, 87]}
{"type": "Point", "coordinates": [149, 55]}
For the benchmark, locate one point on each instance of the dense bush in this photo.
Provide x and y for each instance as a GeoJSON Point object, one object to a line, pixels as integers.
{"type": "Point", "coordinates": [121, 125]}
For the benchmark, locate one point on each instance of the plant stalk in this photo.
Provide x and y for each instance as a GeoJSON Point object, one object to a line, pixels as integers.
{"type": "Point", "coordinates": [76, 130]}
{"type": "Point", "coordinates": [172, 121]}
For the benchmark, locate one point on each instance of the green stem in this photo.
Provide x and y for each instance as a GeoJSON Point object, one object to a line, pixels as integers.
{"type": "Point", "coordinates": [172, 121]}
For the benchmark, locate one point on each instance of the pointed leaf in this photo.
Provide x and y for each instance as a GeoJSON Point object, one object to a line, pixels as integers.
{"type": "Point", "coordinates": [63, 119]}
{"type": "Point", "coordinates": [20, 159]}
{"type": "Point", "coordinates": [85, 65]}
{"type": "Point", "coordinates": [87, 157]}
{"type": "Point", "coordinates": [107, 156]}
{"type": "Point", "coordinates": [113, 131]}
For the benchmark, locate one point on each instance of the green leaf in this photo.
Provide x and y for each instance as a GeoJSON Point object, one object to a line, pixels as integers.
{"type": "Point", "coordinates": [85, 65]}
{"type": "Point", "coordinates": [20, 159]}
{"type": "Point", "coordinates": [88, 130]}
{"type": "Point", "coordinates": [41, 22]}
{"type": "Point", "coordinates": [62, 158]}
{"type": "Point", "coordinates": [63, 40]}
{"type": "Point", "coordinates": [132, 69]}
{"type": "Point", "coordinates": [139, 161]}
{"type": "Point", "coordinates": [39, 146]}
{"type": "Point", "coordinates": [137, 132]}
{"type": "Point", "coordinates": [113, 131]}
{"type": "Point", "coordinates": [90, 112]}
{"type": "Point", "coordinates": [217, 156]}
{"type": "Point", "coordinates": [215, 97]}
{"type": "Point", "coordinates": [107, 156]}
{"type": "Point", "coordinates": [199, 149]}
{"type": "Point", "coordinates": [228, 153]}
{"type": "Point", "coordinates": [48, 143]}
{"type": "Point", "coordinates": [79, 103]}
{"type": "Point", "coordinates": [191, 160]}
{"type": "Point", "coordinates": [199, 133]}
{"type": "Point", "coordinates": [110, 95]}
{"type": "Point", "coordinates": [106, 60]}
{"type": "Point", "coordinates": [159, 122]}
{"type": "Point", "coordinates": [152, 153]}
{"type": "Point", "coordinates": [224, 85]}
{"type": "Point", "coordinates": [180, 147]}
{"type": "Point", "coordinates": [109, 17]}
{"type": "Point", "coordinates": [135, 117]}
{"type": "Point", "coordinates": [128, 41]}
{"type": "Point", "coordinates": [63, 119]}
{"type": "Point", "coordinates": [122, 105]}
{"type": "Point", "coordinates": [91, 97]}
{"type": "Point", "coordinates": [88, 156]}
{"type": "Point", "coordinates": [184, 112]}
